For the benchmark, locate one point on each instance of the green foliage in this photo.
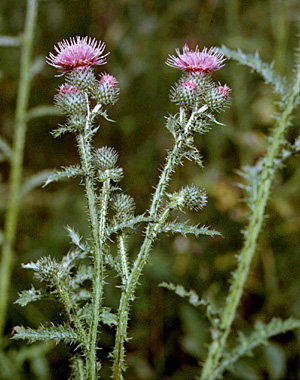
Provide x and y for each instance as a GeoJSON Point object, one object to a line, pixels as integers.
{"type": "Point", "coordinates": [185, 229]}
{"type": "Point", "coordinates": [260, 335]}
{"type": "Point", "coordinates": [58, 334]}
{"type": "Point", "coordinates": [65, 173]}
{"type": "Point", "coordinates": [265, 70]}
{"type": "Point", "coordinates": [27, 296]}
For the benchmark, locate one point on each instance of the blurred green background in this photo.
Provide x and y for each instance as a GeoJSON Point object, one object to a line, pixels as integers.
{"type": "Point", "coordinates": [169, 335]}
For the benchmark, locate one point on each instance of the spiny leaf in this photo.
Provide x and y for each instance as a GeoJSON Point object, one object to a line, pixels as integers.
{"type": "Point", "coordinates": [191, 295]}
{"type": "Point", "coordinates": [212, 313]}
{"type": "Point", "coordinates": [68, 172]}
{"type": "Point", "coordinates": [131, 223]}
{"type": "Point", "coordinates": [76, 239]}
{"type": "Point", "coordinates": [61, 130]}
{"type": "Point", "coordinates": [264, 69]}
{"type": "Point", "coordinates": [34, 181]}
{"type": "Point", "coordinates": [84, 273]}
{"type": "Point", "coordinates": [184, 229]}
{"type": "Point", "coordinates": [108, 318]}
{"type": "Point", "coordinates": [262, 332]}
{"type": "Point", "coordinates": [45, 333]}
{"type": "Point", "coordinates": [27, 296]}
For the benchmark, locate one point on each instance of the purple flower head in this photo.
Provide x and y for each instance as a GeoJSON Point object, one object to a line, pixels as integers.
{"type": "Point", "coordinates": [109, 80]}
{"type": "Point", "coordinates": [195, 61]}
{"type": "Point", "coordinates": [77, 52]}
{"type": "Point", "coordinates": [224, 90]}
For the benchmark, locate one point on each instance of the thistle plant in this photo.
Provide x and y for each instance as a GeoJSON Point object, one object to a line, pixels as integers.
{"type": "Point", "coordinates": [257, 184]}
{"type": "Point", "coordinates": [79, 279]}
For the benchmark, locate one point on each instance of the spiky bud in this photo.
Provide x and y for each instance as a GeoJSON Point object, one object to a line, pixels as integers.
{"type": "Point", "coordinates": [217, 97]}
{"type": "Point", "coordinates": [83, 78]}
{"type": "Point", "coordinates": [191, 197]}
{"type": "Point", "coordinates": [106, 91]}
{"type": "Point", "coordinates": [123, 204]}
{"type": "Point", "coordinates": [105, 158]}
{"type": "Point", "coordinates": [70, 100]}
{"type": "Point", "coordinates": [194, 197]}
{"type": "Point", "coordinates": [185, 93]}
{"type": "Point", "coordinates": [189, 89]}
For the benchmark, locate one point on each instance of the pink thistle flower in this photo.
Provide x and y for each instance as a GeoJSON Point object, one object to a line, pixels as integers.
{"type": "Point", "coordinates": [109, 80]}
{"type": "Point", "coordinates": [195, 61]}
{"type": "Point", "coordinates": [66, 89]}
{"type": "Point", "coordinates": [189, 84]}
{"type": "Point", "coordinates": [224, 90]}
{"type": "Point", "coordinates": [77, 52]}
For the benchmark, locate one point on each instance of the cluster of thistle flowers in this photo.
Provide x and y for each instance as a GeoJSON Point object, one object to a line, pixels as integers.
{"type": "Point", "coordinates": [75, 58]}
{"type": "Point", "coordinates": [196, 87]}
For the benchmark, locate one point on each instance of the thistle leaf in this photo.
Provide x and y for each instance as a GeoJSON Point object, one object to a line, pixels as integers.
{"type": "Point", "coordinates": [184, 229]}
{"type": "Point", "coordinates": [65, 173]}
{"type": "Point", "coordinates": [108, 318]}
{"type": "Point", "coordinates": [131, 223]}
{"type": "Point", "coordinates": [34, 181]}
{"type": "Point", "coordinates": [76, 239]}
{"type": "Point", "coordinates": [260, 335]}
{"type": "Point", "coordinates": [265, 70]}
{"type": "Point", "coordinates": [27, 296]}
{"type": "Point", "coordinates": [190, 295]}
{"type": "Point", "coordinates": [45, 333]}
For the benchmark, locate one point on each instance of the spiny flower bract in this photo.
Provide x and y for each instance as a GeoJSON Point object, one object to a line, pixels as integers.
{"type": "Point", "coordinates": [77, 52]}
{"type": "Point", "coordinates": [196, 61]}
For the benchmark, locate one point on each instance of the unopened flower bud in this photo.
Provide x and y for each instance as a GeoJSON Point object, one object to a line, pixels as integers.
{"type": "Point", "coordinates": [194, 197]}
{"type": "Point", "coordinates": [70, 100]}
{"type": "Point", "coordinates": [217, 97]}
{"type": "Point", "coordinates": [190, 88]}
{"type": "Point", "coordinates": [105, 158]}
{"type": "Point", "coordinates": [123, 204]}
{"type": "Point", "coordinates": [82, 78]}
{"type": "Point", "coordinates": [191, 197]}
{"type": "Point", "coordinates": [185, 93]}
{"type": "Point", "coordinates": [106, 91]}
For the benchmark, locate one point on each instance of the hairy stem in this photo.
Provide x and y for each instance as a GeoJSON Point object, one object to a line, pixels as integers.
{"type": "Point", "coordinates": [151, 233]}
{"type": "Point", "coordinates": [11, 217]}
{"type": "Point", "coordinates": [123, 258]}
{"type": "Point", "coordinates": [240, 276]}
{"type": "Point", "coordinates": [98, 282]}
{"type": "Point", "coordinates": [64, 295]}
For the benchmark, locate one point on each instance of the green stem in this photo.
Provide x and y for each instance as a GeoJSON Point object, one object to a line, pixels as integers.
{"type": "Point", "coordinates": [240, 276]}
{"type": "Point", "coordinates": [123, 258]}
{"type": "Point", "coordinates": [65, 297]}
{"type": "Point", "coordinates": [11, 217]}
{"type": "Point", "coordinates": [98, 282]}
{"type": "Point", "coordinates": [151, 233]}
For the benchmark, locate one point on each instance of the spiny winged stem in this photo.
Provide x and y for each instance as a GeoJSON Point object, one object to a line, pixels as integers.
{"type": "Point", "coordinates": [98, 229]}
{"type": "Point", "coordinates": [217, 347]}
{"type": "Point", "coordinates": [11, 217]}
{"type": "Point", "coordinates": [72, 313]}
{"type": "Point", "coordinates": [151, 233]}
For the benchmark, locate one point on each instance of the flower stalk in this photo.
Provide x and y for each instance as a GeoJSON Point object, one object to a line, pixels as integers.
{"type": "Point", "coordinates": [217, 347]}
